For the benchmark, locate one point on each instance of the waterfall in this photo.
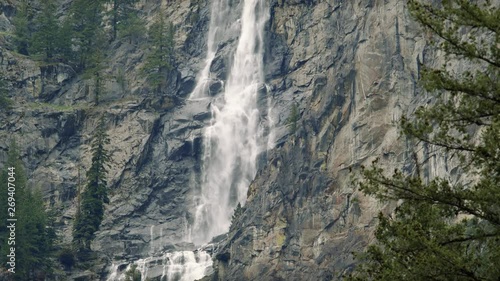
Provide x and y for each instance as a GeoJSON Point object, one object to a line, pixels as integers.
{"type": "Point", "coordinates": [186, 266]}
{"type": "Point", "coordinates": [218, 25]}
{"type": "Point", "coordinates": [177, 266]}
{"type": "Point", "coordinates": [234, 139]}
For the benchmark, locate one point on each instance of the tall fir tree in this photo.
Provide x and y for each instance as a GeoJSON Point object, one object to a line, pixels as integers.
{"type": "Point", "coordinates": [121, 11]}
{"type": "Point", "coordinates": [49, 39]}
{"type": "Point", "coordinates": [91, 210]}
{"type": "Point", "coordinates": [132, 27]}
{"type": "Point", "coordinates": [443, 229]}
{"type": "Point", "coordinates": [66, 52]}
{"type": "Point", "coordinates": [34, 236]}
{"type": "Point", "coordinates": [22, 22]}
{"type": "Point", "coordinates": [160, 60]}
{"type": "Point", "coordinates": [88, 36]}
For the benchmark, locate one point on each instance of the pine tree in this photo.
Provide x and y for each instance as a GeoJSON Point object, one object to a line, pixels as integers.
{"type": "Point", "coordinates": [121, 12]}
{"type": "Point", "coordinates": [34, 237]}
{"type": "Point", "coordinates": [22, 32]}
{"type": "Point", "coordinates": [159, 62]}
{"type": "Point", "coordinates": [238, 211]}
{"type": "Point", "coordinates": [45, 39]}
{"type": "Point", "coordinates": [85, 19]}
{"type": "Point", "coordinates": [49, 39]}
{"type": "Point", "coordinates": [443, 229]}
{"type": "Point", "coordinates": [293, 118]}
{"type": "Point", "coordinates": [132, 27]}
{"type": "Point", "coordinates": [19, 175]}
{"type": "Point", "coordinates": [91, 209]}
{"type": "Point", "coordinates": [66, 52]}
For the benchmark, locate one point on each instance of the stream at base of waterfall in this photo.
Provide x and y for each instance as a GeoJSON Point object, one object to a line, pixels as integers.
{"type": "Point", "coordinates": [233, 141]}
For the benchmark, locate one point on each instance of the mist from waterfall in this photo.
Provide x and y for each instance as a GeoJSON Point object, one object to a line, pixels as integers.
{"type": "Point", "coordinates": [234, 138]}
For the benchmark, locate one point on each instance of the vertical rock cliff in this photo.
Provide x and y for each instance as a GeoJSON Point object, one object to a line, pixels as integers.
{"type": "Point", "coordinates": [348, 67]}
{"type": "Point", "coordinates": [351, 68]}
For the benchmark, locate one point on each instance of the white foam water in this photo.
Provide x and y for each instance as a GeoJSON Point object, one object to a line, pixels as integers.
{"type": "Point", "coordinates": [218, 25]}
{"type": "Point", "coordinates": [186, 265]}
{"type": "Point", "coordinates": [177, 266]}
{"type": "Point", "coordinates": [234, 139]}
{"type": "Point", "coordinates": [232, 144]}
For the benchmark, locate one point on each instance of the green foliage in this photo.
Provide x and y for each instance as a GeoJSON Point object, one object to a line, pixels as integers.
{"type": "Point", "coordinates": [66, 52]}
{"type": "Point", "coordinates": [238, 211]}
{"type": "Point", "coordinates": [133, 274]}
{"type": "Point", "coordinates": [34, 236]}
{"type": "Point", "coordinates": [88, 36]}
{"type": "Point", "coordinates": [293, 118]}
{"type": "Point", "coordinates": [442, 229]}
{"type": "Point", "coordinates": [91, 209]}
{"type": "Point", "coordinates": [22, 32]}
{"type": "Point", "coordinates": [121, 79]}
{"type": "Point", "coordinates": [44, 41]}
{"type": "Point", "coordinates": [50, 40]}
{"type": "Point", "coordinates": [159, 61]}
{"type": "Point", "coordinates": [123, 13]}
{"type": "Point", "coordinates": [67, 258]}
{"type": "Point", "coordinates": [132, 27]}
{"type": "Point", "coordinates": [97, 75]}
{"type": "Point", "coordinates": [98, 87]}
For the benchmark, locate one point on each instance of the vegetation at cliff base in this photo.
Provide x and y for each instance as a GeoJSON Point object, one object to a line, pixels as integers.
{"type": "Point", "coordinates": [442, 228]}
{"type": "Point", "coordinates": [34, 236]}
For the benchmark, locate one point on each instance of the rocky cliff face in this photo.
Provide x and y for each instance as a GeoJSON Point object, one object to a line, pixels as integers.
{"type": "Point", "coordinates": [349, 66]}
{"type": "Point", "coordinates": [156, 138]}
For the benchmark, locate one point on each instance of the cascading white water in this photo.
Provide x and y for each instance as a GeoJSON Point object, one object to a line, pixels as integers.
{"type": "Point", "coordinates": [218, 25]}
{"type": "Point", "coordinates": [186, 265]}
{"type": "Point", "coordinates": [114, 272]}
{"type": "Point", "coordinates": [234, 139]}
{"type": "Point", "coordinates": [232, 144]}
{"type": "Point", "coordinates": [177, 266]}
